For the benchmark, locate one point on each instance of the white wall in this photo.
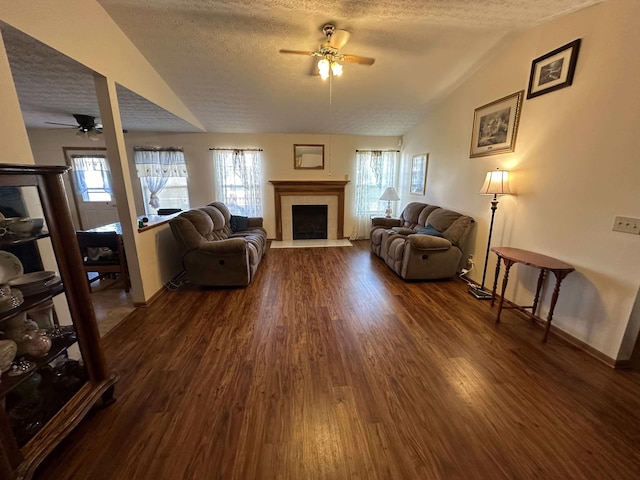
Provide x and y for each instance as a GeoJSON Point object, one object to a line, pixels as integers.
{"type": "Point", "coordinates": [277, 156]}
{"type": "Point", "coordinates": [574, 168]}
{"type": "Point", "coordinates": [159, 261]}
{"type": "Point", "coordinates": [277, 161]}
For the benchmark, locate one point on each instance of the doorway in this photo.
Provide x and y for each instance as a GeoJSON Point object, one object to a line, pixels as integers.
{"type": "Point", "coordinates": [91, 185]}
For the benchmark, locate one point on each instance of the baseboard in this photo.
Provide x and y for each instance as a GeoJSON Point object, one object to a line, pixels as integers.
{"type": "Point", "coordinates": [152, 299]}
{"type": "Point", "coordinates": [566, 337]}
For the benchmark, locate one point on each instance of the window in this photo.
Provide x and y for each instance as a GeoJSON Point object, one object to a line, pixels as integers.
{"type": "Point", "coordinates": [375, 171]}
{"type": "Point", "coordinates": [163, 178]}
{"type": "Point", "coordinates": [239, 181]}
{"type": "Point", "coordinates": [92, 177]}
{"type": "Point", "coordinates": [175, 194]}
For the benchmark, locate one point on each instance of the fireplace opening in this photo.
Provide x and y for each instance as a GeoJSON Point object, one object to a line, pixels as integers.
{"type": "Point", "coordinates": [309, 222]}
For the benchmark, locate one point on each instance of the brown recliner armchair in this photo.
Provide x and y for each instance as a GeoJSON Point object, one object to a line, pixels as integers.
{"type": "Point", "coordinates": [426, 243]}
{"type": "Point", "coordinates": [217, 248]}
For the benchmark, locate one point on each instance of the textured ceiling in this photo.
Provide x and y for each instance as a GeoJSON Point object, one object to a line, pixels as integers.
{"type": "Point", "coordinates": [221, 58]}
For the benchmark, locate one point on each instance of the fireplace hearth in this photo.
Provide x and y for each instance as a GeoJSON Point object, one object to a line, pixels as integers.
{"type": "Point", "coordinates": [309, 222]}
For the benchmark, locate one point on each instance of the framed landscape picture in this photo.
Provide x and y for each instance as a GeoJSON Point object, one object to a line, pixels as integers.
{"type": "Point", "coordinates": [495, 126]}
{"type": "Point", "coordinates": [419, 174]}
{"type": "Point", "coordinates": [554, 70]}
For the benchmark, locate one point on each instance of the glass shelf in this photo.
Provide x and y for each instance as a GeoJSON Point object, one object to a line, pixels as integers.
{"type": "Point", "coordinates": [58, 346]}
{"type": "Point", "coordinates": [32, 301]}
{"type": "Point", "coordinates": [11, 240]}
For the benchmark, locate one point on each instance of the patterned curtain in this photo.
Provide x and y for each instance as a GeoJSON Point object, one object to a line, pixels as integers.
{"type": "Point", "coordinates": [156, 166]}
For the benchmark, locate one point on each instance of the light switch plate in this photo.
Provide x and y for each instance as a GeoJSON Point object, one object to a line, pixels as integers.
{"type": "Point", "coordinates": [627, 225]}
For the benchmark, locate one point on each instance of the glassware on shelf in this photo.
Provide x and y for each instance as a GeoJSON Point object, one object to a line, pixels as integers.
{"type": "Point", "coordinates": [8, 351]}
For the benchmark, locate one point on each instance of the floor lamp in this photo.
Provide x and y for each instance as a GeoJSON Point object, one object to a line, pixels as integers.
{"type": "Point", "coordinates": [495, 183]}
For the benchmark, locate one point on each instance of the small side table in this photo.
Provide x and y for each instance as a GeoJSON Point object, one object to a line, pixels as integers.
{"type": "Point", "coordinates": [516, 255]}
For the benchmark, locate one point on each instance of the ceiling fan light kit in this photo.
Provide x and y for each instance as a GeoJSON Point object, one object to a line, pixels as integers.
{"type": "Point", "coordinates": [330, 63]}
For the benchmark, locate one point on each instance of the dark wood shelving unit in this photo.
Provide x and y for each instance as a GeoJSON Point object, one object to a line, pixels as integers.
{"type": "Point", "coordinates": [91, 382]}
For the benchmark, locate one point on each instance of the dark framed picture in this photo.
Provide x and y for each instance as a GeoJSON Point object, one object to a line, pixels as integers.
{"type": "Point", "coordinates": [419, 174]}
{"type": "Point", "coordinates": [495, 126]}
{"type": "Point", "coordinates": [554, 70]}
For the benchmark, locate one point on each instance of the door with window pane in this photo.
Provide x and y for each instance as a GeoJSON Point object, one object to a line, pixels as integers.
{"type": "Point", "coordinates": [92, 189]}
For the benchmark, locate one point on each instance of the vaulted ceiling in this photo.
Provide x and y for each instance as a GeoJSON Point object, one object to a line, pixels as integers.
{"type": "Point", "coordinates": [221, 57]}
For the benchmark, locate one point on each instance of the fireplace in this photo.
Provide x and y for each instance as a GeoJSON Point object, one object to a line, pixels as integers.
{"type": "Point", "coordinates": [309, 222]}
{"type": "Point", "coordinates": [311, 192]}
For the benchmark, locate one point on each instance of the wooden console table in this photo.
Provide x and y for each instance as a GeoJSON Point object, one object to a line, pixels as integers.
{"type": "Point", "coordinates": [516, 255]}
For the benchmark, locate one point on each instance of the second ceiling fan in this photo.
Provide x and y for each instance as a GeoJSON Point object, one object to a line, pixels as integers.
{"type": "Point", "coordinates": [331, 59]}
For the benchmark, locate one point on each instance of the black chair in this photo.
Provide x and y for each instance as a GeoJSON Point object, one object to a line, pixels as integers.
{"type": "Point", "coordinates": [104, 266]}
{"type": "Point", "coordinates": [168, 211]}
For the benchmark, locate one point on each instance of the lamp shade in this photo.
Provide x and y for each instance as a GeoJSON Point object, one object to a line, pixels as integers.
{"type": "Point", "coordinates": [496, 183]}
{"type": "Point", "coordinates": [390, 195]}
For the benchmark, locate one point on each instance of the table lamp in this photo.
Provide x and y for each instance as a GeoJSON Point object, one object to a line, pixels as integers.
{"type": "Point", "coordinates": [390, 195]}
{"type": "Point", "coordinates": [495, 183]}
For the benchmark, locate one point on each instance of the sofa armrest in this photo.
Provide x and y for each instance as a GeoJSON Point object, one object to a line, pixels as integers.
{"type": "Point", "coordinates": [225, 247]}
{"type": "Point", "coordinates": [254, 222]}
{"type": "Point", "coordinates": [428, 242]}
{"type": "Point", "coordinates": [385, 222]}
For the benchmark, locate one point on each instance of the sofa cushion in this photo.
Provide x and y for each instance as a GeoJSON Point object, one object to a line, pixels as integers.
{"type": "Point", "coordinates": [429, 230]}
{"type": "Point", "coordinates": [403, 230]}
{"type": "Point", "coordinates": [424, 214]}
{"type": "Point", "coordinates": [441, 218]}
{"type": "Point", "coordinates": [458, 230]}
{"type": "Point", "coordinates": [226, 213]}
{"type": "Point", "coordinates": [453, 225]}
{"type": "Point", "coordinates": [411, 213]}
{"type": "Point", "coordinates": [196, 227]}
{"type": "Point", "coordinates": [216, 217]}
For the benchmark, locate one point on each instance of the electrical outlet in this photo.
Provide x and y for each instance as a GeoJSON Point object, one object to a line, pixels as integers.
{"type": "Point", "coordinates": [627, 225]}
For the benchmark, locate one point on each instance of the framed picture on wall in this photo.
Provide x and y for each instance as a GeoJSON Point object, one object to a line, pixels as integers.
{"type": "Point", "coordinates": [553, 70]}
{"type": "Point", "coordinates": [495, 126]}
{"type": "Point", "coordinates": [308, 157]}
{"type": "Point", "coordinates": [419, 174]}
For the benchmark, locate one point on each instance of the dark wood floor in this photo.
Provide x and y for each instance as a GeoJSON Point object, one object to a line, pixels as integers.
{"type": "Point", "coordinates": [329, 366]}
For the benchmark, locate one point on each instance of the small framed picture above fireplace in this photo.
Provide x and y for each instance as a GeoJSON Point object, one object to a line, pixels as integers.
{"type": "Point", "coordinates": [308, 157]}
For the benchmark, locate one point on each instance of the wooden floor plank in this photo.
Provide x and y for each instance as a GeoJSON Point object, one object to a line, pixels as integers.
{"type": "Point", "coordinates": [329, 366]}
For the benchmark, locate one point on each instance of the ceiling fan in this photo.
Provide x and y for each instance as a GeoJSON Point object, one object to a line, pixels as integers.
{"type": "Point", "coordinates": [329, 52]}
{"type": "Point", "coordinates": [86, 126]}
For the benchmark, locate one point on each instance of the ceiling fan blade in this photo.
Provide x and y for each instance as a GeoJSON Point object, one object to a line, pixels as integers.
{"type": "Point", "coordinates": [357, 59]}
{"type": "Point", "coordinates": [65, 124]}
{"type": "Point", "coordinates": [339, 39]}
{"type": "Point", "coordinates": [297, 52]}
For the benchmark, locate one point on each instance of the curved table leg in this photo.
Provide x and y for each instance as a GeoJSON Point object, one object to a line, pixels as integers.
{"type": "Point", "coordinates": [495, 281]}
{"type": "Point", "coordinates": [537, 297]}
{"type": "Point", "coordinates": [554, 298]}
{"type": "Point", "coordinates": [507, 266]}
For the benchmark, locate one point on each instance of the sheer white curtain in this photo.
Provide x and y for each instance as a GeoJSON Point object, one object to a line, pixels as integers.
{"type": "Point", "coordinates": [239, 180]}
{"type": "Point", "coordinates": [156, 166]}
{"type": "Point", "coordinates": [375, 171]}
{"type": "Point", "coordinates": [82, 165]}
